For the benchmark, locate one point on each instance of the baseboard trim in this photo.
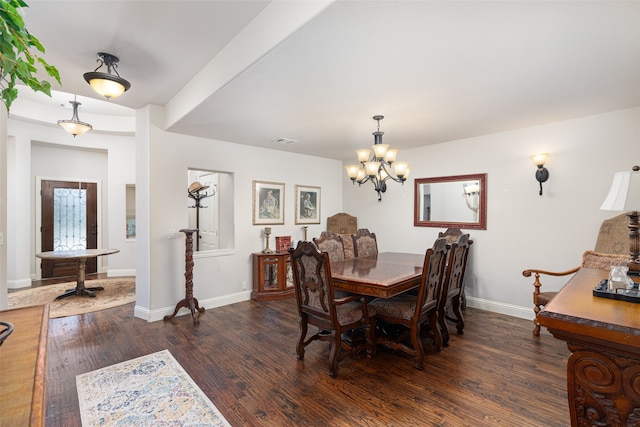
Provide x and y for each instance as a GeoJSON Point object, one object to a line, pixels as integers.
{"type": "Point", "coordinates": [18, 284]}
{"type": "Point", "coordinates": [209, 303]}
{"type": "Point", "coordinates": [121, 273]}
{"type": "Point", "coordinates": [501, 307]}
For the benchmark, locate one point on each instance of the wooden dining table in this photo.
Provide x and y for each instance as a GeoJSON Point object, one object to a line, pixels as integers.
{"type": "Point", "coordinates": [383, 275]}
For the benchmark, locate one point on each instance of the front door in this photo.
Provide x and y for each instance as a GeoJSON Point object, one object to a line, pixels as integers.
{"type": "Point", "coordinates": [69, 222]}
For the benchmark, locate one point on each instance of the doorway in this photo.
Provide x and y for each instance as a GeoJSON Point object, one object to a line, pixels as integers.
{"type": "Point", "coordinates": [69, 221]}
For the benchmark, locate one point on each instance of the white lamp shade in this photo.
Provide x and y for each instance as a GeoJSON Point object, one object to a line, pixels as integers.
{"type": "Point", "coordinates": [107, 88]}
{"type": "Point", "coordinates": [352, 171]}
{"type": "Point", "coordinates": [372, 168]}
{"type": "Point", "coordinates": [624, 194]}
{"type": "Point", "coordinates": [363, 155]}
{"type": "Point", "coordinates": [380, 150]}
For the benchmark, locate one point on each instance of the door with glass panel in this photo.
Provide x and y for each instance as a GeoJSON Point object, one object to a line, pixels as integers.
{"type": "Point", "coordinates": [69, 222]}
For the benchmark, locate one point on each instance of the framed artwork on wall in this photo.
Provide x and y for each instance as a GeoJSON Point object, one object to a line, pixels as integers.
{"type": "Point", "coordinates": [268, 203]}
{"type": "Point", "coordinates": [307, 204]}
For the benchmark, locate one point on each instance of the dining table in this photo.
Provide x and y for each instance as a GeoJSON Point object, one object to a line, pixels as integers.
{"type": "Point", "coordinates": [80, 256]}
{"type": "Point", "coordinates": [382, 275]}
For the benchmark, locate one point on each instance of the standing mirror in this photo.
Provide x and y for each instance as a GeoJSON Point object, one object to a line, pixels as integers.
{"type": "Point", "coordinates": [451, 201]}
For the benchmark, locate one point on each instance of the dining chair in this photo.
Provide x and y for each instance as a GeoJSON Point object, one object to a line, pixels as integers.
{"type": "Point", "coordinates": [331, 243]}
{"type": "Point", "coordinates": [453, 289]}
{"type": "Point", "coordinates": [590, 259]}
{"type": "Point", "coordinates": [319, 306]}
{"type": "Point", "coordinates": [411, 311]}
{"type": "Point", "coordinates": [364, 243]}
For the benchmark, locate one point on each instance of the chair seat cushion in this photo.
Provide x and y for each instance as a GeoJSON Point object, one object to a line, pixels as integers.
{"type": "Point", "coordinates": [402, 306]}
{"type": "Point", "coordinates": [544, 298]}
{"type": "Point", "coordinates": [349, 313]}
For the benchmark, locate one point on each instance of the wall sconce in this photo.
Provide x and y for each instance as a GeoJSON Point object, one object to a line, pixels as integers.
{"type": "Point", "coordinates": [542, 174]}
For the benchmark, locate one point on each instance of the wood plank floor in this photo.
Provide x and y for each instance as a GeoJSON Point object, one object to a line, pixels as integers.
{"type": "Point", "coordinates": [243, 357]}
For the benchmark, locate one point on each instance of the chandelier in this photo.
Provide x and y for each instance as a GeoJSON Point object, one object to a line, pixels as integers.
{"type": "Point", "coordinates": [107, 84]}
{"type": "Point", "coordinates": [75, 126]}
{"type": "Point", "coordinates": [376, 166]}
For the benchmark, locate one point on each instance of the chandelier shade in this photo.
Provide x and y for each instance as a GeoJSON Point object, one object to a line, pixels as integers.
{"type": "Point", "coordinates": [107, 84]}
{"type": "Point", "coordinates": [75, 126]}
{"type": "Point", "coordinates": [378, 167]}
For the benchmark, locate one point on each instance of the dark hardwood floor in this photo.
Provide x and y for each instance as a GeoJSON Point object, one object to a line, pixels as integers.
{"type": "Point", "coordinates": [243, 357]}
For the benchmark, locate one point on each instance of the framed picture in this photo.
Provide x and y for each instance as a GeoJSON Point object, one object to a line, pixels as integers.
{"type": "Point", "coordinates": [283, 243]}
{"type": "Point", "coordinates": [307, 205]}
{"type": "Point", "coordinates": [268, 203]}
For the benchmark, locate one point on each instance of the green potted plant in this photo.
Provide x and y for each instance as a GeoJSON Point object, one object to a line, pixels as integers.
{"type": "Point", "coordinates": [19, 54]}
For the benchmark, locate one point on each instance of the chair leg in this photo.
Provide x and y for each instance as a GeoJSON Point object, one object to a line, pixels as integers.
{"type": "Point", "coordinates": [336, 345]}
{"type": "Point", "coordinates": [435, 330]}
{"type": "Point", "coordinates": [536, 329]}
{"type": "Point", "coordinates": [455, 307]}
{"type": "Point", "coordinates": [302, 333]}
{"type": "Point", "coordinates": [444, 330]}
{"type": "Point", "coordinates": [417, 346]}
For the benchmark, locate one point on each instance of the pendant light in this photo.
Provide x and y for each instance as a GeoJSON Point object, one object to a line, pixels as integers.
{"type": "Point", "coordinates": [75, 126]}
{"type": "Point", "coordinates": [107, 84]}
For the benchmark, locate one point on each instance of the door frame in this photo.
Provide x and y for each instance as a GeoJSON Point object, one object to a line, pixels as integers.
{"type": "Point", "coordinates": [38, 220]}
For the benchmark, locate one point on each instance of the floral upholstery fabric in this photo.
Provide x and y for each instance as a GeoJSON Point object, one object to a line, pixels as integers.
{"type": "Point", "coordinates": [331, 244]}
{"type": "Point", "coordinates": [316, 293]}
{"type": "Point", "coordinates": [402, 306]}
{"type": "Point", "coordinates": [600, 261]}
{"type": "Point", "coordinates": [347, 245]}
{"type": "Point", "coordinates": [365, 243]}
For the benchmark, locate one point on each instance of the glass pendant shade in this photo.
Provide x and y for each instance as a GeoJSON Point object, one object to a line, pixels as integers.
{"type": "Point", "coordinates": [380, 150]}
{"type": "Point", "coordinates": [107, 84]}
{"type": "Point", "coordinates": [75, 126]}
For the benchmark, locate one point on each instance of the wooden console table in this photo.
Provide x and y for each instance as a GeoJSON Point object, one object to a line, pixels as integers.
{"type": "Point", "coordinates": [603, 371]}
{"type": "Point", "coordinates": [22, 367]}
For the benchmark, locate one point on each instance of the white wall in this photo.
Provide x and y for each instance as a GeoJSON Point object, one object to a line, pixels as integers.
{"type": "Point", "coordinates": [217, 280]}
{"type": "Point", "coordinates": [524, 230]}
{"type": "Point", "coordinates": [62, 156]}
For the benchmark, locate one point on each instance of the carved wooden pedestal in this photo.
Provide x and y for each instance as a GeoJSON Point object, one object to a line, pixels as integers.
{"type": "Point", "coordinates": [189, 301]}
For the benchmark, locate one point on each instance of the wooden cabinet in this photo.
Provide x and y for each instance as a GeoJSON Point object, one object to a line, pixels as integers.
{"type": "Point", "coordinates": [272, 276]}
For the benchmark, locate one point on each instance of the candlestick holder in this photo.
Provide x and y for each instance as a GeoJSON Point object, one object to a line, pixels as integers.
{"type": "Point", "coordinates": [266, 249]}
{"type": "Point", "coordinates": [304, 230]}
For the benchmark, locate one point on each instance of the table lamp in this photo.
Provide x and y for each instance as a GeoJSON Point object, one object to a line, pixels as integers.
{"type": "Point", "coordinates": [624, 195]}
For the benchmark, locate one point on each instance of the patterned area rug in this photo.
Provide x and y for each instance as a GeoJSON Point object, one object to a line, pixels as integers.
{"type": "Point", "coordinates": [118, 291]}
{"type": "Point", "coordinates": [152, 390]}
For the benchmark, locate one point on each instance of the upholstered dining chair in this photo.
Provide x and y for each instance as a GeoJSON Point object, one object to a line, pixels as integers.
{"type": "Point", "coordinates": [318, 306]}
{"type": "Point", "coordinates": [330, 243]}
{"type": "Point", "coordinates": [453, 289]}
{"type": "Point", "coordinates": [590, 259]}
{"type": "Point", "coordinates": [411, 311]}
{"type": "Point", "coordinates": [364, 243]}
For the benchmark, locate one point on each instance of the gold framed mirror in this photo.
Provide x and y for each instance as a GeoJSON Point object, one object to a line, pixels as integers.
{"type": "Point", "coordinates": [451, 201]}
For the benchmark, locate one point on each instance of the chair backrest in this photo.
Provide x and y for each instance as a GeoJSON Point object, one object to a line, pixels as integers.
{"type": "Point", "coordinates": [613, 236]}
{"type": "Point", "coordinates": [342, 223]}
{"type": "Point", "coordinates": [364, 243]}
{"type": "Point", "coordinates": [330, 243]}
{"type": "Point", "coordinates": [433, 272]}
{"type": "Point", "coordinates": [600, 261]}
{"type": "Point", "coordinates": [312, 281]}
{"type": "Point", "coordinates": [456, 267]}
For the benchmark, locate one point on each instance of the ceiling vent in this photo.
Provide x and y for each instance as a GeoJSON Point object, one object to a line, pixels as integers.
{"type": "Point", "coordinates": [285, 141]}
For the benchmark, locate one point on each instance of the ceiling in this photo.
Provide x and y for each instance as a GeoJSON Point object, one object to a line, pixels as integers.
{"type": "Point", "coordinates": [251, 72]}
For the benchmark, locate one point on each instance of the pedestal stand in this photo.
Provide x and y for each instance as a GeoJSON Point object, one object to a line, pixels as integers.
{"type": "Point", "coordinates": [189, 301]}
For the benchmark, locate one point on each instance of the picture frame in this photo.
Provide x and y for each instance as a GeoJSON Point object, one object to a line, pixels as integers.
{"type": "Point", "coordinates": [307, 204]}
{"type": "Point", "coordinates": [283, 243]}
{"type": "Point", "coordinates": [268, 203]}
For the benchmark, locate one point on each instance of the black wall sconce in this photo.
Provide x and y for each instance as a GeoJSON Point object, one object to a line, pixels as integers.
{"type": "Point", "coordinates": [542, 174]}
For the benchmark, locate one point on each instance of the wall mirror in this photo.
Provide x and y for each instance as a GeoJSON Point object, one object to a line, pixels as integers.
{"type": "Point", "coordinates": [451, 201]}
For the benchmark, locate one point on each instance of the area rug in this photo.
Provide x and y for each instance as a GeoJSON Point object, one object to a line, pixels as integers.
{"type": "Point", "coordinates": [152, 390]}
{"type": "Point", "coordinates": [117, 291]}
